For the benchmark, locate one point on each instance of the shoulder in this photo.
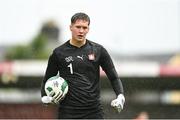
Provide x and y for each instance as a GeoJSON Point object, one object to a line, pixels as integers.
{"type": "Point", "coordinates": [98, 46]}
{"type": "Point", "coordinates": [61, 47]}
{"type": "Point", "coordinates": [94, 44]}
{"type": "Point", "coordinates": [99, 49]}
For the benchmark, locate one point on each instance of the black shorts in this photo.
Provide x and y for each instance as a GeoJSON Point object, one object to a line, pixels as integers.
{"type": "Point", "coordinates": [80, 114]}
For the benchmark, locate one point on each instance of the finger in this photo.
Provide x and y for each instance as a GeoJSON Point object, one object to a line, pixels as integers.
{"type": "Point", "coordinates": [52, 93]}
{"type": "Point", "coordinates": [119, 110]}
{"type": "Point", "coordinates": [116, 103]}
{"type": "Point", "coordinates": [57, 97]}
{"type": "Point", "coordinates": [113, 103]}
{"type": "Point", "coordinates": [54, 98]}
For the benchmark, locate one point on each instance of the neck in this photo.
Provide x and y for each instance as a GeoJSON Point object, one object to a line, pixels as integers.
{"type": "Point", "coordinates": [77, 43]}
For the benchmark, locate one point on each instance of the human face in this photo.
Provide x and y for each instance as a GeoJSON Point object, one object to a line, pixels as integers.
{"type": "Point", "coordinates": [79, 30]}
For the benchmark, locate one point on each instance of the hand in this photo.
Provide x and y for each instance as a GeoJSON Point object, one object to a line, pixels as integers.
{"type": "Point", "coordinates": [54, 99]}
{"type": "Point", "coordinates": [57, 97]}
{"type": "Point", "coordinates": [118, 103]}
{"type": "Point", "coordinates": [50, 100]}
{"type": "Point", "coordinates": [46, 99]}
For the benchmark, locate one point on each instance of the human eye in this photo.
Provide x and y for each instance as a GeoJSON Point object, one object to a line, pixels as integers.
{"type": "Point", "coordinates": [78, 27]}
{"type": "Point", "coordinates": [84, 28]}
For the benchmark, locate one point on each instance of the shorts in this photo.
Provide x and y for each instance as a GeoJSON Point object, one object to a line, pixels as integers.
{"type": "Point", "coordinates": [80, 114]}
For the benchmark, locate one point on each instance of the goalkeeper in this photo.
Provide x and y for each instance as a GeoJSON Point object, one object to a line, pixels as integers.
{"type": "Point", "coordinates": [78, 61]}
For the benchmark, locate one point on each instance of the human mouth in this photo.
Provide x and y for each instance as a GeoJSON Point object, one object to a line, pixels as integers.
{"type": "Point", "coordinates": [80, 36]}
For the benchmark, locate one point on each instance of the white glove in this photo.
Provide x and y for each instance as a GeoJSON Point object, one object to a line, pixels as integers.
{"type": "Point", "coordinates": [118, 103]}
{"type": "Point", "coordinates": [46, 99]}
{"type": "Point", "coordinates": [57, 97]}
{"type": "Point", "coordinates": [54, 98]}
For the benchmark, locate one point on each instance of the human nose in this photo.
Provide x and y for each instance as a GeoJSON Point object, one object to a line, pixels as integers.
{"type": "Point", "coordinates": [81, 30]}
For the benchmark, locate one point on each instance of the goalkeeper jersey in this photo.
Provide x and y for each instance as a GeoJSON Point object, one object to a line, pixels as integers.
{"type": "Point", "coordinates": [80, 67]}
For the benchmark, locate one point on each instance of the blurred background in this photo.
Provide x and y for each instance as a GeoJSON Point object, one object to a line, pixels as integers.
{"type": "Point", "coordinates": [142, 36]}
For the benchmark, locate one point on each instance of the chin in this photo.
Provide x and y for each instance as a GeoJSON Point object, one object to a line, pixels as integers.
{"type": "Point", "coordinates": [80, 40]}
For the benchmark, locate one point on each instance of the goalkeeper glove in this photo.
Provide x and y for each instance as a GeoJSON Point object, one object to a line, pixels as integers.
{"type": "Point", "coordinates": [118, 103]}
{"type": "Point", "coordinates": [54, 98]}
{"type": "Point", "coordinates": [57, 97]}
{"type": "Point", "coordinates": [46, 99]}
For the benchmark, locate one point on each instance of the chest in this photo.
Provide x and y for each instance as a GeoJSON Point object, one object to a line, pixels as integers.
{"type": "Point", "coordinates": [78, 60]}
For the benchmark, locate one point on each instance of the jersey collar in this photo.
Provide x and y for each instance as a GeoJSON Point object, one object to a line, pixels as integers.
{"type": "Point", "coordinates": [68, 42]}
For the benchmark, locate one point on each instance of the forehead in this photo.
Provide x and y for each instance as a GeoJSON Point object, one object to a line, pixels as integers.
{"type": "Point", "coordinates": [81, 22]}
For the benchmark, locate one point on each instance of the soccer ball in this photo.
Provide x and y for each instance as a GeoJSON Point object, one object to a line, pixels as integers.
{"type": "Point", "coordinates": [57, 87]}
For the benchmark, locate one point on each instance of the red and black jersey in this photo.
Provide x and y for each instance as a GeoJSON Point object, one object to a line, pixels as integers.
{"type": "Point", "coordinates": [80, 67]}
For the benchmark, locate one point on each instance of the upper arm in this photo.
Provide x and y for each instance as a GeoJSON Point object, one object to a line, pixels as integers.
{"type": "Point", "coordinates": [105, 60]}
{"type": "Point", "coordinates": [51, 70]}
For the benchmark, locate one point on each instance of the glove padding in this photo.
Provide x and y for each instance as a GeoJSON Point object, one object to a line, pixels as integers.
{"type": "Point", "coordinates": [46, 99]}
{"type": "Point", "coordinates": [55, 98]}
{"type": "Point", "coordinates": [118, 103]}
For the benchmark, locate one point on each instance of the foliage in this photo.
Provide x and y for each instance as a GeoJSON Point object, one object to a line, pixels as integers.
{"type": "Point", "coordinates": [37, 49]}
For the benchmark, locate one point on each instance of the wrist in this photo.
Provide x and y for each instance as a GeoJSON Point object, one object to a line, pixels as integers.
{"type": "Point", "coordinates": [120, 96]}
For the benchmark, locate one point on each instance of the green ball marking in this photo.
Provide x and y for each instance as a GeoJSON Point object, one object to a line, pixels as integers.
{"type": "Point", "coordinates": [49, 89]}
{"type": "Point", "coordinates": [64, 85]}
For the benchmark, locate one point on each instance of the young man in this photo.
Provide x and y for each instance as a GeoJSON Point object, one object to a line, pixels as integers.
{"type": "Point", "coordinates": [78, 61]}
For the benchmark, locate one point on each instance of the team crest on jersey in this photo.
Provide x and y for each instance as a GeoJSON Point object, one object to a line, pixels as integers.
{"type": "Point", "coordinates": [69, 59]}
{"type": "Point", "coordinates": [91, 56]}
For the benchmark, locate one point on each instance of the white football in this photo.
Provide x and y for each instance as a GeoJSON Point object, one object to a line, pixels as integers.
{"type": "Point", "coordinates": [56, 85]}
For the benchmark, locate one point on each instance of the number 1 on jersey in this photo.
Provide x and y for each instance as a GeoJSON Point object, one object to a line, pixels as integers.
{"type": "Point", "coordinates": [71, 69]}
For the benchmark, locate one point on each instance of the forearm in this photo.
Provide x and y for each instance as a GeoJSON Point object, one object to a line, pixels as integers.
{"type": "Point", "coordinates": [51, 70]}
{"type": "Point", "coordinates": [42, 89]}
{"type": "Point", "coordinates": [108, 66]}
{"type": "Point", "coordinates": [115, 81]}
{"type": "Point", "coordinates": [117, 86]}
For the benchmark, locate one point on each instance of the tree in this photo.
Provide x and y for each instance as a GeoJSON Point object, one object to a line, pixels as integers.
{"type": "Point", "coordinates": [35, 50]}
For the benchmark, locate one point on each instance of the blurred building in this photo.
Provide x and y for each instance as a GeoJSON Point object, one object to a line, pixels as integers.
{"type": "Point", "coordinates": [52, 33]}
